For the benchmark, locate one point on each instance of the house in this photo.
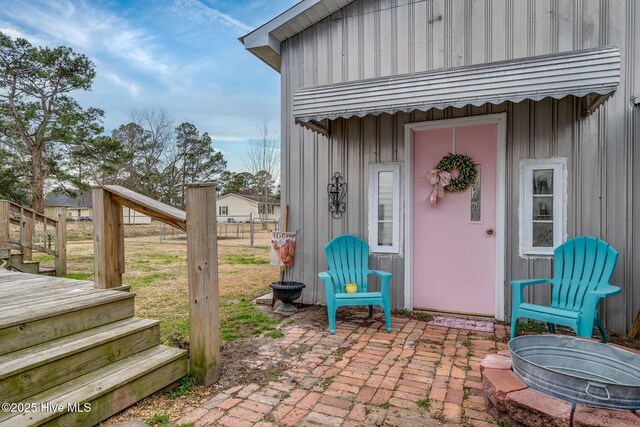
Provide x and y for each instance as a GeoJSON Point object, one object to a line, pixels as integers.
{"type": "Point", "coordinates": [542, 96]}
{"type": "Point", "coordinates": [76, 207]}
{"type": "Point", "coordinates": [80, 208]}
{"type": "Point", "coordinates": [239, 207]}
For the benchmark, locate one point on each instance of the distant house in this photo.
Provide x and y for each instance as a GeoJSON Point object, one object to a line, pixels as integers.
{"type": "Point", "coordinates": [77, 207]}
{"type": "Point", "coordinates": [80, 208]}
{"type": "Point", "coordinates": [236, 207]}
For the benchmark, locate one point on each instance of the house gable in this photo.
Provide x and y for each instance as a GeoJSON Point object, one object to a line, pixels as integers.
{"type": "Point", "coordinates": [264, 41]}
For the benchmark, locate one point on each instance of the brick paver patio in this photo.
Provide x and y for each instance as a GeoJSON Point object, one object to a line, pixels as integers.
{"type": "Point", "coordinates": [418, 374]}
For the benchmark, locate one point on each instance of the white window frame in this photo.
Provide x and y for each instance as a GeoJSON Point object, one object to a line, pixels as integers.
{"type": "Point", "coordinates": [226, 210]}
{"type": "Point", "coordinates": [559, 167]}
{"type": "Point", "coordinates": [374, 170]}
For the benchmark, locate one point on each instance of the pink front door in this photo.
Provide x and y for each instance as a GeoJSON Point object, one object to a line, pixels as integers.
{"type": "Point", "coordinates": [454, 243]}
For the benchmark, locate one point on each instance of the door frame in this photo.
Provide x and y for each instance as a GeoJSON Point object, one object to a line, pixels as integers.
{"type": "Point", "coordinates": [501, 121]}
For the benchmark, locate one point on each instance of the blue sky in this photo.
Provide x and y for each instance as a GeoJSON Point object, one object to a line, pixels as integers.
{"type": "Point", "coordinates": [180, 55]}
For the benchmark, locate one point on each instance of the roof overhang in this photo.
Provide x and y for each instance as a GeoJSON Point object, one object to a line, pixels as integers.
{"type": "Point", "coordinates": [591, 74]}
{"type": "Point", "coordinates": [264, 41]}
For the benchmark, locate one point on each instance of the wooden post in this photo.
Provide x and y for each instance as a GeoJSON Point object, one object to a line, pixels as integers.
{"type": "Point", "coordinates": [635, 328]}
{"type": "Point", "coordinates": [61, 241]}
{"type": "Point", "coordinates": [4, 224]}
{"type": "Point", "coordinates": [27, 236]}
{"type": "Point", "coordinates": [108, 240]}
{"type": "Point", "coordinates": [202, 259]}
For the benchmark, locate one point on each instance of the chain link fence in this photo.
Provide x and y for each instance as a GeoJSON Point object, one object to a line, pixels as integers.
{"type": "Point", "coordinates": [236, 230]}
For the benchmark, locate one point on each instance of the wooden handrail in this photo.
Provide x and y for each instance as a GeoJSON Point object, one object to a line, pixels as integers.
{"type": "Point", "coordinates": [148, 206]}
{"type": "Point", "coordinates": [199, 222]}
{"type": "Point", "coordinates": [30, 213]}
{"type": "Point", "coordinates": [26, 219]}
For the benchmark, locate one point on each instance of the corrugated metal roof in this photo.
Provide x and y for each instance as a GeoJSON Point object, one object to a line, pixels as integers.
{"type": "Point", "coordinates": [80, 199]}
{"type": "Point", "coordinates": [264, 41]}
{"type": "Point", "coordinates": [579, 73]}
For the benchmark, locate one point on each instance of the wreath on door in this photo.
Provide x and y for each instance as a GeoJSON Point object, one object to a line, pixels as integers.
{"type": "Point", "coordinates": [454, 172]}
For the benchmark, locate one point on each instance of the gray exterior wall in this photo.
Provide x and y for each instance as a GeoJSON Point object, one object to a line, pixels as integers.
{"type": "Point", "coordinates": [371, 38]}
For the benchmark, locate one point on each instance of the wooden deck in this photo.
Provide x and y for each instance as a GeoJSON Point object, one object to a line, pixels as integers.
{"type": "Point", "coordinates": [63, 343]}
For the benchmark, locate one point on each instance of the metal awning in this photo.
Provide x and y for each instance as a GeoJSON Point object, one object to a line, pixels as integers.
{"type": "Point", "coordinates": [592, 74]}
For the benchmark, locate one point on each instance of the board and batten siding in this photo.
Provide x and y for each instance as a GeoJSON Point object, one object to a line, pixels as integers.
{"type": "Point", "coordinates": [373, 38]}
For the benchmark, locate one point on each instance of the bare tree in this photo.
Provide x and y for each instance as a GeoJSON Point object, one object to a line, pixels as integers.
{"type": "Point", "coordinates": [152, 153]}
{"type": "Point", "coordinates": [164, 158]}
{"type": "Point", "coordinates": [263, 162]}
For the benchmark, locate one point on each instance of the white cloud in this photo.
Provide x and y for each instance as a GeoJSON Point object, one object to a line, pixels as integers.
{"type": "Point", "coordinates": [200, 12]}
{"type": "Point", "coordinates": [132, 46]}
{"type": "Point", "coordinates": [87, 28]}
{"type": "Point", "coordinates": [57, 20]}
{"type": "Point", "coordinates": [16, 33]}
{"type": "Point", "coordinates": [130, 86]}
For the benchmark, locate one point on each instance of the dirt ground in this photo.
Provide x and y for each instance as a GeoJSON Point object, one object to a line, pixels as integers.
{"type": "Point", "coordinates": [235, 370]}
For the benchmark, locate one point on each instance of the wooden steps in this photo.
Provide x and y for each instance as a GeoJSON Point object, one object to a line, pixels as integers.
{"type": "Point", "coordinates": [18, 263]}
{"type": "Point", "coordinates": [108, 390]}
{"type": "Point", "coordinates": [35, 309]}
{"type": "Point", "coordinates": [28, 371]}
{"type": "Point", "coordinates": [47, 271]}
{"type": "Point", "coordinates": [63, 341]}
{"type": "Point", "coordinates": [15, 261]}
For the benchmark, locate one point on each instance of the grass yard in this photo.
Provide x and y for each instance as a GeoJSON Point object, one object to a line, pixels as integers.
{"type": "Point", "coordinates": [157, 274]}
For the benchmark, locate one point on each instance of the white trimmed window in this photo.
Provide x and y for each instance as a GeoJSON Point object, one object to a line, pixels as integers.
{"type": "Point", "coordinates": [384, 207]}
{"type": "Point", "coordinates": [223, 210]}
{"type": "Point", "coordinates": [543, 194]}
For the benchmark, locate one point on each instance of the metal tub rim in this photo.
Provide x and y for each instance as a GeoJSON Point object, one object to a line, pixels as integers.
{"type": "Point", "coordinates": [613, 382]}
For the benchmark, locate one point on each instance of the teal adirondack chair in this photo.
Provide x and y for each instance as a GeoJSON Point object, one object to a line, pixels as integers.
{"type": "Point", "coordinates": [348, 258]}
{"type": "Point", "coordinates": [582, 269]}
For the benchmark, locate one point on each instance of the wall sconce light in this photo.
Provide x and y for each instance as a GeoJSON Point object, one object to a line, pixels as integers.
{"type": "Point", "coordinates": [337, 189]}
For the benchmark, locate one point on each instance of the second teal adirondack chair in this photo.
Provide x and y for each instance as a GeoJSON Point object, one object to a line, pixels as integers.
{"type": "Point", "coordinates": [582, 269]}
{"type": "Point", "coordinates": [348, 258]}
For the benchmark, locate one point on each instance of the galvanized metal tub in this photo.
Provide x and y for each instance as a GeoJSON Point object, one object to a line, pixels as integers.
{"type": "Point", "coordinates": [578, 370]}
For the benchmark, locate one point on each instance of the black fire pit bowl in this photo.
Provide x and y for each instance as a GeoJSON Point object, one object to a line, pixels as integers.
{"type": "Point", "coordinates": [287, 292]}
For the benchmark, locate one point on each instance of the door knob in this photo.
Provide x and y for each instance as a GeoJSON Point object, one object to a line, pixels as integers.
{"type": "Point", "coordinates": [489, 231]}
